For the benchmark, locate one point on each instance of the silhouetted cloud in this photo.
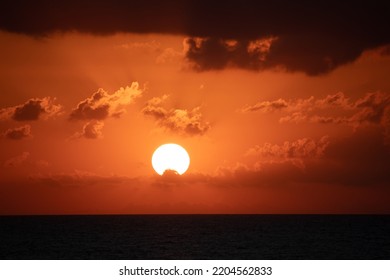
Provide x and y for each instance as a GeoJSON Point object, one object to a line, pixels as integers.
{"type": "Point", "coordinates": [18, 133]}
{"type": "Point", "coordinates": [18, 160]}
{"type": "Point", "coordinates": [180, 121]}
{"type": "Point", "coordinates": [32, 110]}
{"type": "Point", "coordinates": [91, 130]}
{"type": "Point", "coordinates": [312, 37]}
{"type": "Point", "coordinates": [102, 105]}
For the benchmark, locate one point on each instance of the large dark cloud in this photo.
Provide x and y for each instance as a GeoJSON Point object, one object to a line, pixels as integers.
{"type": "Point", "coordinates": [313, 36]}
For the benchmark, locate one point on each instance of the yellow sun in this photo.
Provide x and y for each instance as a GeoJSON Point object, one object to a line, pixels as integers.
{"type": "Point", "coordinates": [171, 157]}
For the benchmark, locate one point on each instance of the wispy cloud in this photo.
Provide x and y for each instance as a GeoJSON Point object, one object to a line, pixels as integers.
{"type": "Point", "coordinates": [372, 108]}
{"type": "Point", "coordinates": [17, 160]}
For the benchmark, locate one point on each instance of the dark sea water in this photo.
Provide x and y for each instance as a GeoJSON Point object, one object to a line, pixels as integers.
{"type": "Point", "coordinates": [195, 237]}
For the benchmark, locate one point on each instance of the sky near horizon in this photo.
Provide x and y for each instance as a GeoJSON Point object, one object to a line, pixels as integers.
{"type": "Point", "coordinates": [282, 110]}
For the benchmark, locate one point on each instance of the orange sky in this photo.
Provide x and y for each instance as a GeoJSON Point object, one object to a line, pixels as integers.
{"type": "Point", "coordinates": [82, 113]}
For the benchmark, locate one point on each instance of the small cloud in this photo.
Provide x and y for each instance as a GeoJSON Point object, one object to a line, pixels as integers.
{"type": "Point", "coordinates": [295, 117]}
{"type": "Point", "coordinates": [17, 161]}
{"type": "Point", "coordinates": [170, 176]}
{"type": "Point", "coordinates": [32, 110]}
{"type": "Point", "coordinates": [181, 121]}
{"type": "Point", "coordinates": [102, 105]}
{"type": "Point", "coordinates": [18, 133]}
{"type": "Point", "coordinates": [91, 130]}
{"type": "Point", "coordinates": [371, 108]}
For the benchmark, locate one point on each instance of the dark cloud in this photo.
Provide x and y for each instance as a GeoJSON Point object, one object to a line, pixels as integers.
{"type": "Point", "coordinates": [283, 52]}
{"type": "Point", "coordinates": [361, 159]}
{"type": "Point", "coordinates": [91, 130]}
{"type": "Point", "coordinates": [18, 133]}
{"type": "Point", "coordinates": [32, 110]}
{"type": "Point", "coordinates": [102, 105]}
{"type": "Point", "coordinates": [217, 53]}
{"type": "Point", "coordinates": [179, 121]}
{"type": "Point", "coordinates": [313, 37]}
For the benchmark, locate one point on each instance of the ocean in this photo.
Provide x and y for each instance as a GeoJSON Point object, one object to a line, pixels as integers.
{"type": "Point", "coordinates": [274, 237]}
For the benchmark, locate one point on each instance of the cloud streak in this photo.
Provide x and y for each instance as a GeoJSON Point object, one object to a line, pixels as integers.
{"type": "Point", "coordinates": [17, 161]}
{"type": "Point", "coordinates": [370, 109]}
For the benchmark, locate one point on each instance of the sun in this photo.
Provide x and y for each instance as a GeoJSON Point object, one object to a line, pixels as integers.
{"type": "Point", "coordinates": [170, 157]}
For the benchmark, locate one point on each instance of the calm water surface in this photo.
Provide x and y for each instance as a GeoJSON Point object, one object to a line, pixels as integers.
{"type": "Point", "coordinates": [195, 237]}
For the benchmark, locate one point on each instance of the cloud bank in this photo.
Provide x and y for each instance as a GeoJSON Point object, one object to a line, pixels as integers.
{"type": "Point", "coordinates": [371, 109]}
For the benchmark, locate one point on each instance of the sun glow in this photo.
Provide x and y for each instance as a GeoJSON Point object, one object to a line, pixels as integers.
{"type": "Point", "coordinates": [170, 157]}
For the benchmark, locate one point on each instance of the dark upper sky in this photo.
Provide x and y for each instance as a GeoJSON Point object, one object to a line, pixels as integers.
{"type": "Point", "coordinates": [228, 19]}
{"type": "Point", "coordinates": [313, 36]}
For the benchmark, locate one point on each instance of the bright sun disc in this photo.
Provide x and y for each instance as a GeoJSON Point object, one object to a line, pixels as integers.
{"type": "Point", "coordinates": [170, 157]}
